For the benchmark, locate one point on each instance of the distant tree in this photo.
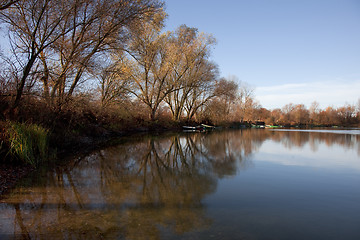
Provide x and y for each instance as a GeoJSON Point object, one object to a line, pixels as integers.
{"type": "Point", "coordinates": [287, 116]}
{"type": "Point", "coordinates": [347, 114]}
{"type": "Point", "coordinates": [226, 92]}
{"type": "Point", "coordinates": [314, 112]}
{"type": "Point", "coordinates": [329, 116]}
{"type": "Point", "coordinates": [300, 114]}
{"type": "Point", "coordinates": [276, 117]}
{"type": "Point", "coordinates": [246, 102]}
{"type": "Point", "coordinates": [263, 114]}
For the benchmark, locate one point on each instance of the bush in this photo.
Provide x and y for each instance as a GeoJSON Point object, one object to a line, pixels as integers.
{"type": "Point", "coordinates": [28, 142]}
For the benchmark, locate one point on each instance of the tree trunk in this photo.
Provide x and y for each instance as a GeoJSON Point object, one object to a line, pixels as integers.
{"type": "Point", "coordinates": [153, 114]}
{"type": "Point", "coordinates": [20, 89]}
{"type": "Point", "coordinates": [45, 79]}
{"type": "Point", "coordinates": [75, 82]}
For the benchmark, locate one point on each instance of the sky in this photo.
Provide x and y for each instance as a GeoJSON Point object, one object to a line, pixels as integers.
{"type": "Point", "coordinates": [289, 51]}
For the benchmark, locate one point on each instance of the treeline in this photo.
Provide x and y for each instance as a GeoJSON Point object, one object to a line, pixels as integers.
{"type": "Point", "coordinates": [112, 61]}
{"type": "Point", "coordinates": [298, 114]}
{"type": "Point", "coordinates": [115, 56]}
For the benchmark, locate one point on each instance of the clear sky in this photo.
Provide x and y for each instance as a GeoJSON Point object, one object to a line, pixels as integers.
{"type": "Point", "coordinates": [290, 51]}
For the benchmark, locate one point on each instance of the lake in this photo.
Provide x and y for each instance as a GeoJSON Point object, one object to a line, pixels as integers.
{"type": "Point", "coordinates": [230, 184]}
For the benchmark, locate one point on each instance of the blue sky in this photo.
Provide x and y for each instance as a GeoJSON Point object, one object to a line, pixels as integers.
{"type": "Point", "coordinates": [290, 51]}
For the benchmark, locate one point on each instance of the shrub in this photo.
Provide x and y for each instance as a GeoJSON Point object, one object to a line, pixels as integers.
{"type": "Point", "coordinates": [28, 142]}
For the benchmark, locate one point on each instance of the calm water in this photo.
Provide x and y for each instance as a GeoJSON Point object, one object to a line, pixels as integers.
{"type": "Point", "coordinates": [249, 184]}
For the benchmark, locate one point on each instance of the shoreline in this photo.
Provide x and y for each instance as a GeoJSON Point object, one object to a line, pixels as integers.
{"type": "Point", "coordinates": [12, 173]}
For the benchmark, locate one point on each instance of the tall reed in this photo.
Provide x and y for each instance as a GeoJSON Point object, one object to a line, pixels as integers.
{"type": "Point", "coordinates": [28, 142]}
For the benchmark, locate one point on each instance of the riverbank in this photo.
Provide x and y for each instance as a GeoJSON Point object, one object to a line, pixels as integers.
{"type": "Point", "coordinates": [66, 145]}
{"type": "Point", "coordinates": [65, 141]}
{"type": "Point", "coordinates": [77, 128]}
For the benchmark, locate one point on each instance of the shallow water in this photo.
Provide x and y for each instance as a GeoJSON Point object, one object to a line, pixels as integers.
{"type": "Point", "coordinates": [241, 184]}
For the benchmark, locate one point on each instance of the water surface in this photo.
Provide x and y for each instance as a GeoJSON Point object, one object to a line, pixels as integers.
{"type": "Point", "coordinates": [241, 184]}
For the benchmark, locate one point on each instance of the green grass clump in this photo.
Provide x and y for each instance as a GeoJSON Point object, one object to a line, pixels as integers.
{"type": "Point", "coordinates": [28, 142]}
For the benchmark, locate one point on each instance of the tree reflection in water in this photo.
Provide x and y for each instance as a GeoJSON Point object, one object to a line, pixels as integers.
{"type": "Point", "coordinates": [145, 189]}
{"type": "Point", "coordinates": [298, 139]}
{"type": "Point", "coordinates": [136, 190]}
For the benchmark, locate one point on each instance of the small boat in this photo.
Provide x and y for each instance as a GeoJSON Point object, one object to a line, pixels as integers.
{"type": "Point", "coordinates": [191, 128]}
{"type": "Point", "coordinates": [201, 127]}
{"type": "Point", "coordinates": [207, 127]}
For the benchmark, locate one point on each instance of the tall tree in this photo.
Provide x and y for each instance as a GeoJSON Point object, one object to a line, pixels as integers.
{"type": "Point", "coordinates": [66, 36]}
{"type": "Point", "coordinates": [203, 90]}
{"type": "Point", "coordinates": [226, 91]}
{"type": "Point", "coordinates": [190, 51]}
{"type": "Point", "coordinates": [148, 63]}
{"type": "Point", "coordinates": [98, 27]}
{"type": "Point", "coordinates": [34, 26]}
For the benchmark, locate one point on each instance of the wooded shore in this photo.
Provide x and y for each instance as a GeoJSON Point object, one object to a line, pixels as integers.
{"type": "Point", "coordinates": [70, 133]}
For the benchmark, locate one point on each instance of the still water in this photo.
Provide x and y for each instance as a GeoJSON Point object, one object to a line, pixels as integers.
{"type": "Point", "coordinates": [240, 184]}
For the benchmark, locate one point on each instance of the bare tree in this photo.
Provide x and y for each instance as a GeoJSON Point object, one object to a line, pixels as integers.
{"type": "Point", "coordinates": [66, 36]}
{"type": "Point", "coordinates": [203, 91]}
{"type": "Point", "coordinates": [98, 27]}
{"type": "Point", "coordinates": [347, 114]}
{"type": "Point", "coordinates": [148, 63]}
{"type": "Point", "coordinates": [314, 112]}
{"type": "Point", "coordinates": [189, 58]}
{"type": "Point", "coordinates": [113, 84]}
{"type": "Point", "coordinates": [34, 26]}
{"type": "Point", "coordinates": [226, 91]}
{"type": "Point", "coordinates": [245, 103]}
{"type": "Point", "coordinates": [287, 111]}
{"type": "Point", "coordinates": [301, 114]}
{"type": "Point", "coordinates": [225, 94]}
